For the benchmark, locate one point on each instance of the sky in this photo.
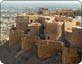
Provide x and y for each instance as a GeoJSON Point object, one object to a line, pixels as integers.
{"type": "Point", "coordinates": [38, 4]}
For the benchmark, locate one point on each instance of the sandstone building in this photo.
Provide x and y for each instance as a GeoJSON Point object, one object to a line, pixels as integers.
{"type": "Point", "coordinates": [49, 33]}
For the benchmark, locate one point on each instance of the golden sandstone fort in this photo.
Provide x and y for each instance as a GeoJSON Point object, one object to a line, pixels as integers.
{"type": "Point", "coordinates": [51, 32]}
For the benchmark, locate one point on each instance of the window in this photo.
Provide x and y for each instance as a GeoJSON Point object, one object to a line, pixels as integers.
{"type": "Point", "coordinates": [28, 29]}
{"type": "Point", "coordinates": [60, 13]}
{"type": "Point", "coordinates": [31, 21]}
{"type": "Point", "coordinates": [48, 37]}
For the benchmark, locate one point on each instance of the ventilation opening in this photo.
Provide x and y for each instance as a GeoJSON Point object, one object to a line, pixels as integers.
{"type": "Point", "coordinates": [48, 37]}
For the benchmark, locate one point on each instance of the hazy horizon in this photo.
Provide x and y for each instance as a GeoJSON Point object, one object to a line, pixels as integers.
{"type": "Point", "coordinates": [20, 5]}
